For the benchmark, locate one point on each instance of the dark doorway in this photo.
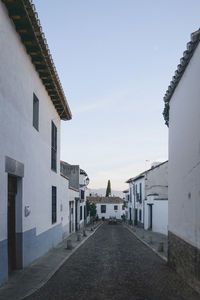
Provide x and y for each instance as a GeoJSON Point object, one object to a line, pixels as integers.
{"type": "Point", "coordinates": [71, 216]}
{"type": "Point", "coordinates": [150, 216]}
{"type": "Point", "coordinates": [135, 217]}
{"type": "Point", "coordinates": [130, 216]}
{"type": "Point", "coordinates": [12, 191]}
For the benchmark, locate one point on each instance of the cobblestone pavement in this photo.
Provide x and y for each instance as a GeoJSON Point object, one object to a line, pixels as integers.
{"type": "Point", "coordinates": [113, 264]}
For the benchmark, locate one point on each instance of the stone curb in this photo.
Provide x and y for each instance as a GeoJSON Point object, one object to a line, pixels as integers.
{"type": "Point", "coordinates": [146, 244]}
{"type": "Point", "coordinates": [61, 263]}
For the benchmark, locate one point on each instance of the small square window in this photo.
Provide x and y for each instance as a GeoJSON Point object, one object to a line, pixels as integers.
{"type": "Point", "coordinates": [115, 207]}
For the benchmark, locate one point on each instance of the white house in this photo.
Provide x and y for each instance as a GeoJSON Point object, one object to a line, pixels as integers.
{"type": "Point", "coordinates": [108, 206]}
{"type": "Point", "coordinates": [156, 202]}
{"type": "Point", "coordinates": [127, 205]}
{"type": "Point", "coordinates": [76, 200]}
{"type": "Point", "coordinates": [32, 106]}
{"type": "Point", "coordinates": [137, 197]}
{"type": "Point", "coordinates": [182, 114]}
{"type": "Point", "coordinates": [83, 183]}
{"type": "Point", "coordinates": [148, 200]}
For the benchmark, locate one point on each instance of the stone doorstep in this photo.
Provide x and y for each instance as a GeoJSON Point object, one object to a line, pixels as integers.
{"type": "Point", "coordinates": [150, 246]}
{"type": "Point", "coordinates": [14, 286]}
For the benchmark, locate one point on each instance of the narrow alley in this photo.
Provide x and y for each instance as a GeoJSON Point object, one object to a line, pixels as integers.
{"type": "Point", "coordinates": [114, 264]}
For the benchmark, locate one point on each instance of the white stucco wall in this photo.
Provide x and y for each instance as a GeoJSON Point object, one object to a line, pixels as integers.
{"type": "Point", "coordinates": [110, 212]}
{"type": "Point", "coordinates": [159, 215]}
{"type": "Point", "coordinates": [140, 205]}
{"type": "Point", "coordinates": [184, 155]}
{"type": "Point", "coordinates": [19, 139]}
{"type": "Point", "coordinates": [157, 180]}
{"type": "Point", "coordinates": [64, 205]}
{"type": "Point", "coordinates": [72, 195]}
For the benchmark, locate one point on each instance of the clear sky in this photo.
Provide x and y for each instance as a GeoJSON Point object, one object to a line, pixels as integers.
{"type": "Point", "coordinates": [115, 59]}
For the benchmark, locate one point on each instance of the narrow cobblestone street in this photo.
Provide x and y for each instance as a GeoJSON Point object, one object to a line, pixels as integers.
{"type": "Point", "coordinates": [113, 264]}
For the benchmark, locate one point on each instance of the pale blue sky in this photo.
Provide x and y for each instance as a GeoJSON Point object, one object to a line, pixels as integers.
{"type": "Point", "coordinates": [115, 59]}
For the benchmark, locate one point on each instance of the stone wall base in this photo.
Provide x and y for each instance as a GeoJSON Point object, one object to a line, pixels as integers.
{"type": "Point", "coordinates": [185, 260]}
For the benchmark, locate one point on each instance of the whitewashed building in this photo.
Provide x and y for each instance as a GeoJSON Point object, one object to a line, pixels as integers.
{"type": "Point", "coordinates": [137, 197]}
{"type": "Point", "coordinates": [182, 114]}
{"type": "Point", "coordinates": [32, 105]}
{"type": "Point", "coordinates": [127, 205]}
{"type": "Point", "coordinates": [108, 206]}
{"type": "Point", "coordinates": [156, 202]}
{"type": "Point", "coordinates": [148, 199]}
{"type": "Point", "coordinates": [76, 200]}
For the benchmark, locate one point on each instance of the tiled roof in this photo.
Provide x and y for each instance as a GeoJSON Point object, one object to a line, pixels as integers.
{"type": "Point", "coordinates": [27, 24]}
{"type": "Point", "coordinates": [187, 54]}
{"type": "Point", "coordinates": [100, 200]}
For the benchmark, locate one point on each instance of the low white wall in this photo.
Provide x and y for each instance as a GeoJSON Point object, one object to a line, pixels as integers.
{"type": "Point", "coordinates": [159, 215]}
{"type": "Point", "coordinates": [64, 206]}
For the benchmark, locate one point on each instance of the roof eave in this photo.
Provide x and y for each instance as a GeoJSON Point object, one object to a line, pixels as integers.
{"type": "Point", "coordinates": [184, 61]}
{"type": "Point", "coordinates": [25, 19]}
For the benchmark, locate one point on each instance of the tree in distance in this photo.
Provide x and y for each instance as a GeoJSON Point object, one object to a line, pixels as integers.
{"type": "Point", "coordinates": [108, 190]}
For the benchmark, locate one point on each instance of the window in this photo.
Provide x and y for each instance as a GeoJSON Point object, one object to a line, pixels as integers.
{"type": "Point", "coordinates": [81, 213]}
{"type": "Point", "coordinates": [140, 191]}
{"type": "Point", "coordinates": [82, 195]}
{"type": "Point", "coordinates": [53, 147]}
{"type": "Point", "coordinates": [140, 215]}
{"type": "Point", "coordinates": [35, 112]}
{"type": "Point", "coordinates": [115, 207]}
{"type": "Point", "coordinates": [103, 209]}
{"type": "Point", "coordinates": [54, 205]}
{"type": "Point", "coordinates": [84, 212]}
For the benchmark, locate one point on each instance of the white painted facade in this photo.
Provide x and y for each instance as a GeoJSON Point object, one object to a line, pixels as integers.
{"type": "Point", "coordinates": [82, 194]}
{"type": "Point", "coordinates": [139, 197]}
{"type": "Point", "coordinates": [159, 210]}
{"type": "Point", "coordinates": [112, 210]}
{"type": "Point", "coordinates": [148, 206]}
{"type": "Point", "coordinates": [184, 155]}
{"type": "Point", "coordinates": [22, 145]}
{"type": "Point", "coordinates": [156, 203]}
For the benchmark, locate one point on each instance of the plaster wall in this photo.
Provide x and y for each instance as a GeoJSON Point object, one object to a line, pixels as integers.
{"type": "Point", "coordinates": [184, 155]}
{"type": "Point", "coordinates": [22, 142]}
{"type": "Point", "coordinates": [159, 215]}
{"type": "Point", "coordinates": [72, 195]}
{"type": "Point", "coordinates": [64, 205]}
{"type": "Point", "coordinates": [157, 180]}
{"type": "Point", "coordinates": [140, 205]}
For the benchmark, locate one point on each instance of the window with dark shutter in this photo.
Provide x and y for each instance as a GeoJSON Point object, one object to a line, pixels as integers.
{"type": "Point", "coordinates": [35, 112]}
{"type": "Point", "coordinates": [53, 146]}
{"type": "Point", "coordinates": [82, 195]}
{"type": "Point", "coordinates": [103, 209]}
{"type": "Point", "coordinates": [54, 205]}
{"type": "Point", "coordinates": [140, 191]}
{"type": "Point", "coordinates": [140, 215]}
